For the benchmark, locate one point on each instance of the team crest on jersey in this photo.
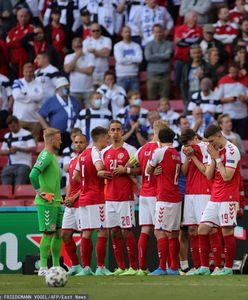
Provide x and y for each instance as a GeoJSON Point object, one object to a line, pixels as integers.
{"type": "Point", "coordinates": [83, 158]}
{"type": "Point", "coordinates": [120, 155]}
{"type": "Point", "coordinates": [39, 163]}
{"type": "Point", "coordinates": [147, 153]}
{"type": "Point", "coordinates": [53, 226]}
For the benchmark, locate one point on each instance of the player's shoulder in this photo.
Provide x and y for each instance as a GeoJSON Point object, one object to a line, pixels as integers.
{"type": "Point", "coordinates": [231, 148]}
{"type": "Point", "coordinates": [106, 150]}
{"type": "Point", "coordinates": [45, 155]}
{"type": "Point", "coordinates": [129, 148]}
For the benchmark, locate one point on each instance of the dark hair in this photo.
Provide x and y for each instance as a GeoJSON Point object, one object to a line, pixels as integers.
{"type": "Point", "coordinates": [233, 64]}
{"type": "Point", "coordinates": [109, 73]}
{"type": "Point", "coordinates": [97, 132]}
{"type": "Point", "coordinates": [115, 122]}
{"type": "Point", "coordinates": [178, 121]}
{"type": "Point", "coordinates": [187, 135]}
{"type": "Point", "coordinates": [12, 119]}
{"type": "Point", "coordinates": [166, 135]}
{"type": "Point", "coordinates": [211, 130]}
{"type": "Point", "coordinates": [75, 130]}
{"type": "Point", "coordinates": [221, 7]}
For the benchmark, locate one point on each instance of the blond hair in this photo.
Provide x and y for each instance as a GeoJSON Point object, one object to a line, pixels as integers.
{"type": "Point", "coordinates": [49, 132]}
{"type": "Point", "coordinates": [159, 124]}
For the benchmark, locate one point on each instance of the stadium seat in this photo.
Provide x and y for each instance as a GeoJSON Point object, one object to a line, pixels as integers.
{"type": "Point", "coordinates": [3, 161]}
{"type": "Point", "coordinates": [244, 161]}
{"type": "Point", "coordinates": [177, 105]}
{"type": "Point", "coordinates": [24, 191]}
{"type": "Point", "coordinates": [245, 143]}
{"type": "Point", "coordinates": [29, 202]}
{"type": "Point", "coordinates": [34, 157]}
{"type": "Point", "coordinates": [143, 77]}
{"type": "Point", "coordinates": [6, 191]}
{"type": "Point", "coordinates": [11, 202]}
{"type": "Point", "coordinates": [39, 147]}
{"type": "Point", "coordinates": [150, 104]}
{"type": "Point", "coordinates": [2, 133]}
{"type": "Point", "coordinates": [111, 62]}
{"type": "Point", "coordinates": [245, 174]}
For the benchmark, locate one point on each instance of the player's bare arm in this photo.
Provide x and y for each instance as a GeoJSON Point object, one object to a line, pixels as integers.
{"type": "Point", "coordinates": [76, 175]}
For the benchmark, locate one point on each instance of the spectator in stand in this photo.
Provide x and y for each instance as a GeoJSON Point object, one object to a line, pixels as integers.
{"type": "Point", "coordinates": [232, 91]}
{"type": "Point", "coordinates": [243, 34]}
{"type": "Point", "coordinates": [193, 72]}
{"type": "Point", "coordinates": [93, 116]}
{"type": "Point", "coordinates": [46, 75]}
{"type": "Point", "coordinates": [134, 98]}
{"type": "Point", "coordinates": [84, 29]}
{"type": "Point", "coordinates": [106, 15]}
{"type": "Point", "coordinates": [18, 54]}
{"type": "Point", "coordinates": [113, 95]}
{"type": "Point", "coordinates": [6, 103]}
{"type": "Point", "coordinates": [206, 99]}
{"type": "Point", "coordinates": [101, 47]}
{"type": "Point", "coordinates": [135, 134]}
{"type": "Point", "coordinates": [167, 113]}
{"type": "Point", "coordinates": [158, 53]}
{"type": "Point", "coordinates": [60, 111]}
{"type": "Point", "coordinates": [208, 41]}
{"type": "Point", "coordinates": [199, 121]}
{"type": "Point", "coordinates": [152, 14]}
{"type": "Point", "coordinates": [80, 66]}
{"type": "Point", "coordinates": [225, 31]}
{"type": "Point", "coordinates": [7, 17]}
{"type": "Point", "coordinates": [185, 36]}
{"type": "Point", "coordinates": [225, 123]}
{"type": "Point", "coordinates": [152, 116]}
{"type": "Point", "coordinates": [4, 58]}
{"type": "Point", "coordinates": [128, 55]}
{"type": "Point", "coordinates": [241, 58]}
{"type": "Point", "coordinates": [56, 34]}
{"type": "Point", "coordinates": [214, 60]}
{"type": "Point", "coordinates": [18, 145]}
{"type": "Point", "coordinates": [27, 94]}
{"type": "Point", "coordinates": [201, 7]}
{"type": "Point", "coordinates": [182, 124]}
{"type": "Point", "coordinates": [237, 13]}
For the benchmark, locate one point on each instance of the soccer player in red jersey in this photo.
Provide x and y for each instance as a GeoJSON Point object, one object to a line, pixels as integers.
{"type": "Point", "coordinates": [92, 202]}
{"type": "Point", "coordinates": [198, 188]}
{"type": "Point", "coordinates": [120, 198]}
{"type": "Point", "coordinates": [147, 197]}
{"type": "Point", "coordinates": [70, 222]}
{"type": "Point", "coordinates": [224, 168]}
{"type": "Point", "coordinates": [168, 205]}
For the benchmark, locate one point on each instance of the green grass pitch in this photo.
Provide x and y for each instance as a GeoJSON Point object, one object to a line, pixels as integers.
{"type": "Point", "coordinates": [133, 288]}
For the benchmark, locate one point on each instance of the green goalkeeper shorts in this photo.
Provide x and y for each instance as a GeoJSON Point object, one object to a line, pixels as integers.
{"type": "Point", "coordinates": [49, 217]}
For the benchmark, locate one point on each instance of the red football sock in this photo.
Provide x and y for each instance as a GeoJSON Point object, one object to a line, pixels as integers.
{"type": "Point", "coordinates": [118, 247]}
{"type": "Point", "coordinates": [216, 247]}
{"type": "Point", "coordinates": [90, 252]}
{"type": "Point", "coordinates": [71, 250]}
{"type": "Point", "coordinates": [85, 251]}
{"type": "Point", "coordinates": [230, 246]}
{"type": "Point", "coordinates": [194, 249]}
{"type": "Point", "coordinates": [101, 250]}
{"type": "Point", "coordinates": [142, 250]}
{"type": "Point", "coordinates": [204, 249]}
{"type": "Point", "coordinates": [163, 249]}
{"type": "Point", "coordinates": [174, 248]}
{"type": "Point", "coordinates": [131, 250]}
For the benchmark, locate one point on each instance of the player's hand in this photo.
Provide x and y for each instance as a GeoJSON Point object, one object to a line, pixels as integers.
{"type": "Point", "coordinates": [68, 201]}
{"type": "Point", "coordinates": [242, 98]}
{"type": "Point", "coordinates": [120, 170]}
{"type": "Point", "coordinates": [213, 152]}
{"type": "Point", "coordinates": [105, 174]}
{"type": "Point", "coordinates": [188, 151]}
{"type": "Point", "coordinates": [47, 196]}
{"type": "Point", "coordinates": [157, 171]}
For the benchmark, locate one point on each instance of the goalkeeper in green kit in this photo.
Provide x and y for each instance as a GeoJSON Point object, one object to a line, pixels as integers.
{"type": "Point", "coordinates": [45, 178]}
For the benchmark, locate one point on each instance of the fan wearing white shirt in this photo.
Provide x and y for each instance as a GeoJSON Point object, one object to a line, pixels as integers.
{"type": "Point", "coordinates": [128, 56]}
{"type": "Point", "coordinates": [46, 75]}
{"type": "Point", "coordinates": [27, 94]}
{"type": "Point", "coordinates": [80, 65]}
{"type": "Point", "coordinates": [6, 99]}
{"type": "Point", "coordinates": [113, 95]}
{"type": "Point", "coordinates": [100, 47]}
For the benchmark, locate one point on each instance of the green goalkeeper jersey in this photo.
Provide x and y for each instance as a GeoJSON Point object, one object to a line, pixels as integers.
{"type": "Point", "coordinates": [49, 178]}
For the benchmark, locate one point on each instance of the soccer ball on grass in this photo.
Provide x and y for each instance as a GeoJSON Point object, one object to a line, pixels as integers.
{"type": "Point", "coordinates": [56, 277]}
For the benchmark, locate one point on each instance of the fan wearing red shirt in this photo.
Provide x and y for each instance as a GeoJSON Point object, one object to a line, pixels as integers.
{"type": "Point", "coordinates": [92, 202]}
{"type": "Point", "coordinates": [224, 168]}
{"type": "Point", "coordinates": [70, 222]}
{"type": "Point", "coordinates": [168, 205]}
{"type": "Point", "coordinates": [198, 188]}
{"type": "Point", "coordinates": [147, 196]}
{"type": "Point", "coordinates": [120, 198]}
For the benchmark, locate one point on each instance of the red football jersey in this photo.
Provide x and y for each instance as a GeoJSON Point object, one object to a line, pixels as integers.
{"type": "Point", "coordinates": [197, 183]}
{"type": "Point", "coordinates": [167, 183]}
{"type": "Point", "coordinates": [223, 191]}
{"type": "Point", "coordinates": [92, 187]}
{"type": "Point", "coordinates": [144, 156]}
{"type": "Point", "coordinates": [75, 186]}
{"type": "Point", "coordinates": [119, 188]}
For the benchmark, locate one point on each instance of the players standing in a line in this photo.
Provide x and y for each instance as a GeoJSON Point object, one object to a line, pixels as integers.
{"type": "Point", "coordinates": [168, 205]}
{"type": "Point", "coordinates": [45, 178]}
{"type": "Point", "coordinates": [224, 168]}
{"type": "Point", "coordinates": [198, 188]}
{"type": "Point", "coordinates": [92, 202]}
{"type": "Point", "coordinates": [70, 222]}
{"type": "Point", "coordinates": [120, 199]}
{"type": "Point", "coordinates": [147, 197]}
